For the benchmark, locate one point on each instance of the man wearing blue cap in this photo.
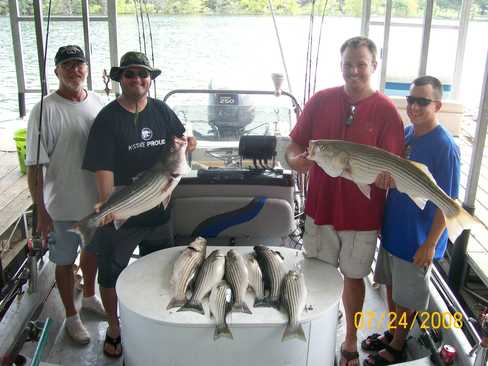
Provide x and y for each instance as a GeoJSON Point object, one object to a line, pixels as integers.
{"type": "Point", "coordinates": [62, 191]}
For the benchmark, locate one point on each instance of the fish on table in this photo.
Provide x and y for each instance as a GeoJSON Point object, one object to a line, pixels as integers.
{"type": "Point", "coordinates": [292, 299]}
{"type": "Point", "coordinates": [185, 270]}
{"type": "Point", "coordinates": [273, 269]}
{"type": "Point", "coordinates": [220, 304]}
{"type": "Point", "coordinates": [150, 189]}
{"type": "Point", "coordinates": [255, 279]}
{"type": "Point", "coordinates": [363, 163]}
{"type": "Point", "coordinates": [210, 274]}
{"type": "Point", "coordinates": [238, 278]}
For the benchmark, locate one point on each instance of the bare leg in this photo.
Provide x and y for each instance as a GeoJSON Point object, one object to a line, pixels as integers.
{"type": "Point", "coordinates": [109, 299]}
{"type": "Point", "coordinates": [88, 265]}
{"type": "Point", "coordinates": [353, 299]}
{"type": "Point", "coordinates": [65, 281]}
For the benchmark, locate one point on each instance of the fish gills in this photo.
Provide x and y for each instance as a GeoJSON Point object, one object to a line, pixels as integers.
{"type": "Point", "coordinates": [293, 297]}
{"type": "Point", "coordinates": [220, 304]}
{"type": "Point", "coordinates": [210, 274]}
{"type": "Point", "coordinates": [185, 269]}
{"type": "Point", "coordinates": [238, 278]}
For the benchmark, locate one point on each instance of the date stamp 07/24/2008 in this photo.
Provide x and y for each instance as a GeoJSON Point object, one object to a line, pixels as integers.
{"type": "Point", "coordinates": [371, 320]}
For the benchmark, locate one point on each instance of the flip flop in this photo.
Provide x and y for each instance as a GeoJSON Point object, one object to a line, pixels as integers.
{"type": "Point", "coordinates": [113, 342]}
{"type": "Point", "coordinates": [374, 343]}
{"type": "Point", "coordinates": [349, 356]}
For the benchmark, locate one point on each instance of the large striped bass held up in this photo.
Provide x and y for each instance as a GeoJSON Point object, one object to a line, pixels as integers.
{"type": "Point", "coordinates": [185, 270]}
{"type": "Point", "coordinates": [238, 278]}
{"type": "Point", "coordinates": [362, 164]}
{"type": "Point", "coordinates": [210, 274]}
{"type": "Point", "coordinates": [220, 304]}
{"type": "Point", "coordinates": [293, 298]}
{"type": "Point", "coordinates": [273, 268]}
{"type": "Point", "coordinates": [151, 188]}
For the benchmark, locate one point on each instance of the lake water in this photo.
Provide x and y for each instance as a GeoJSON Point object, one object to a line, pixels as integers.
{"type": "Point", "coordinates": [242, 52]}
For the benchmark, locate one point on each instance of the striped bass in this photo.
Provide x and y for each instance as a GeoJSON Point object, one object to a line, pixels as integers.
{"type": "Point", "coordinates": [362, 164]}
{"type": "Point", "coordinates": [209, 275]}
{"type": "Point", "coordinates": [255, 279]}
{"type": "Point", "coordinates": [185, 270]}
{"type": "Point", "coordinates": [151, 188]}
{"type": "Point", "coordinates": [238, 278]}
{"type": "Point", "coordinates": [293, 298]}
{"type": "Point", "coordinates": [220, 304]}
{"type": "Point", "coordinates": [273, 269]}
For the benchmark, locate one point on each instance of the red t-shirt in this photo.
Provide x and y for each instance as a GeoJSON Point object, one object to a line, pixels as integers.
{"type": "Point", "coordinates": [338, 201]}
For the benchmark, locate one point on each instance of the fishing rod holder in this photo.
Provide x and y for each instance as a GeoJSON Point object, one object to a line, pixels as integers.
{"type": "Point", "coordinates": [258, 148]}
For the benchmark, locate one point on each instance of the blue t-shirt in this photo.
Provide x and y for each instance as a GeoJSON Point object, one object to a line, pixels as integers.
{"type": "Point", "coordinates": [405, 225]}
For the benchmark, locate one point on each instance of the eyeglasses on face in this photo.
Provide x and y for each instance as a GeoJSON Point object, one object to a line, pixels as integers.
{"type": "Point", "coordinates": [70, 65]}
{"type": "Point", "coordinates": [130, 74]}
{"type": "Point", "coordinates": [350, 117]}
{"type": "Point", "coordinates": [420, 101]}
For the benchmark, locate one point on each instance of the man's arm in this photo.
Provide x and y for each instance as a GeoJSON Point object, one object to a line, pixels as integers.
{"type": "Point", "coordinates": [105, 187]}
{"type": "Point", "coordinates": [35, 182]}
{"type": "Point", "coordinates": [424, 255]}
{"type": "Point", "coordinates": [295, 156]}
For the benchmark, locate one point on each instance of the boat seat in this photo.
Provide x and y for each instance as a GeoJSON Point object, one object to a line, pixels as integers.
{"type": "Point", "coordinates": [450, 116]}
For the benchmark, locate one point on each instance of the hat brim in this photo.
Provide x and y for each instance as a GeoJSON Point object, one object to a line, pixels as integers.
{"type": "Point", "coordinates": [116, 71]}
{"type": "Point", "coordinates": [72, 59]}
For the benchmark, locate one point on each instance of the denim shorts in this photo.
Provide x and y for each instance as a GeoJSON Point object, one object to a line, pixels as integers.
{"type": "Point", "coordinates": [63, 244]}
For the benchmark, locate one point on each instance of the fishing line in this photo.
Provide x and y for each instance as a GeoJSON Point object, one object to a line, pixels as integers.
{"type": "Point", "coordinates": [322, 21]}
{"type": "Point", "coordinates": [44, 87]}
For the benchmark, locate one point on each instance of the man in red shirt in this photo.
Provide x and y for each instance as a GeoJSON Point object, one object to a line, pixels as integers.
{"type": "Point", "coordinates": [342, 224]}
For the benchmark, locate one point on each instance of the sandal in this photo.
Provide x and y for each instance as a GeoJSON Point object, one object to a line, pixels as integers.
{"type": "Point", "coordinates": [349, 356]}
{"type": "Point", "coordinates": [114, 342]}
{"type": "Point", "coordinates": [378, 360]}
{"type": "Point", "coordinates": [374, 343]}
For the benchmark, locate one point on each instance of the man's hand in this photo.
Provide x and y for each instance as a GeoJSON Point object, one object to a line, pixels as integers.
{"type": "Point", "coordinates": [106, 219]}
{"type": "Point", "coordinates": [384, 181]}
{"type": "Point", "coordinates": [424, 255]}
{"type": "Point", "coordinates": [192, 143]}
{"type": "Point", "coordinates": [300, 162]}
{"type": "Point", "coordinates": [44, 222]}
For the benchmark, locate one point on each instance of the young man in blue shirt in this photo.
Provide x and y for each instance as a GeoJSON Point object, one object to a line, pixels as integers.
{"type": "Point", "coordinates": [411, 237]}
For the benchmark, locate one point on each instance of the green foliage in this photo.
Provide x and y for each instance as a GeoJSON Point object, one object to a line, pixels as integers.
{"type": "Point", "coordinates": [412, 8]}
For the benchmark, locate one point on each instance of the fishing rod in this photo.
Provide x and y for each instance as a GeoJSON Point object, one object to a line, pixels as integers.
{"type": "Point", "coordinates": [138, 26]}
{"type": "Point", "coordinates": [151, 43]}
{"type": "Point", "coordinates": [322, 21]}
{"type": "Point", "coordinates": [308, 58]}
{"type": "Point", "coordinates": [142, 26]}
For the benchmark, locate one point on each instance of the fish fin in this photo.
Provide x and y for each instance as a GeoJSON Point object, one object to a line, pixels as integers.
{"type": "Point", "coordinates": [222, 331]}
{"type": "Point", "coordinates": [458, 223]}
{"type": "Point", "coordinates": [423, 168]}
{"type": "Point", "coordinates": [294, 331]}
{"type": "Point", "coordinates": [118, 223]}
{"type": "Point", "coordinates": [175, 303]}
{"type": "Point", "coordinates": [365, 189]}
{"type": "Point", "coordinates": [241, 308]}
{"type": "Point", "coordinates": [166, 200]}
{"type": "Point", "coordinates": [85, 229]}
{"type": "Point", "coordinates": [419, 201]}
{"type": "Point", "coordinates": [197, 307]}
{"type": "Point", "coordinates": [138, 176]}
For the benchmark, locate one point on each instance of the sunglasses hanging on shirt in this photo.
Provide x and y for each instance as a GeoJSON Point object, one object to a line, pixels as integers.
{"type": "Point", "coordinates": [350, 115]}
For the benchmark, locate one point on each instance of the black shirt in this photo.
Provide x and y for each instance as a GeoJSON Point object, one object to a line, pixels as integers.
{"type": "Point", "coordinates": [128, 143]}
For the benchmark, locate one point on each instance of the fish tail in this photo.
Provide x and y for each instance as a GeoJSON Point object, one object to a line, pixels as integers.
{"type": "Point", "coordinates": [459, 222]}
{"type": "Point", "coordinates": [196, 307]}
{"type": "Point", "coordinates": [241, 308]}
{"type": "Point", "coordinates": [294, 331]}
{"type": "Point", "coordinates": [85, 229]}
{"type": "Point", "coordinates": [175, 303]}
{"type": "Point", "coordinates": [222, 331]}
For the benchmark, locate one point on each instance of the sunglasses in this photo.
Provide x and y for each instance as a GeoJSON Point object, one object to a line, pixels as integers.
{"type": "Point", "coordinates": [131, 74]}
{"type": "Point", "coordinates": [350, 117]}
{"type": "Point", "coordinates": [421, 102]}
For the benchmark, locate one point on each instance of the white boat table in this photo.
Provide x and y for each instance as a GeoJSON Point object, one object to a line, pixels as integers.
{"type": "Point", "coordinates": [153, 335]}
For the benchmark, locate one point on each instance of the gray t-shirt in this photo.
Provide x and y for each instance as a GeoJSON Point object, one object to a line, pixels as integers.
{"type": "Point", "coordinates": [69, 192]}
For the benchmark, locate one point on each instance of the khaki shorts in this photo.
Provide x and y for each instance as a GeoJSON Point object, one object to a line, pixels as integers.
{"type": "Point", "coordinates": [410, 283]}
{"type": "Point", "coordinates": [351, 251]}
